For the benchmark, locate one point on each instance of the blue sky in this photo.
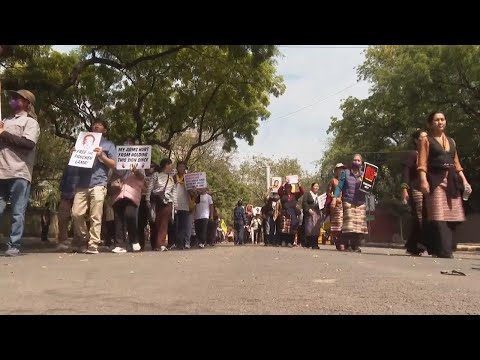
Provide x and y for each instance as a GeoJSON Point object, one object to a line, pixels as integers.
{"type": "Point", "coordinates": [312, 75]}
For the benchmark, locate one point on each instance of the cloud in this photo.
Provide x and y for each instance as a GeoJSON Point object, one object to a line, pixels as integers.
{"type": "Point", "coordinates": [312, 76]}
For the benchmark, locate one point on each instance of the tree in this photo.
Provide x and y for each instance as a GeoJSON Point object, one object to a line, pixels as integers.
{"type": "Point", "coordinates": [409, 82]}
{"type": "Point", "coordinates": [253, 174]}
{"type": "Point", "coordinates": [154, 93]}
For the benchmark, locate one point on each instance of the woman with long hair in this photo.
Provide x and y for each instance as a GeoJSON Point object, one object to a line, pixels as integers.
{"type": "Point", "coordinates": [335, 211]}
{"type": "Point", "coordinates": [354, 210]}
{"type": "Point", "coordinates": [161, 194]}
{"type": "Point", "coordinates": [312, 217]}
{"type": "Point", "coordinates": [442, 181]}
{"type": "Point", "coordinates": [411, 195]}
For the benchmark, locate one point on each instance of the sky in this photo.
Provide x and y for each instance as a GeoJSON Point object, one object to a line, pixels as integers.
{"type": "Point", "coordinates": [317, 79]}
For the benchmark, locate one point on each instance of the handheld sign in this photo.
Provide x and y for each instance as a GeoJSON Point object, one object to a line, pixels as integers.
{"type": "Point", "coordinates": [321, 201]}
{"type": "Point", "coordinates": [369, 177]}
{"type": "Point", "coordinates": [196, 180]}
{"type": "Point", "coordinates": [83, 156]}
{"type": "Point", "coordinates": [128, 155]}
{"type": "Point", "coordinates": [292, 179]}
{"type": "Point", "coordinates": [276, 182]}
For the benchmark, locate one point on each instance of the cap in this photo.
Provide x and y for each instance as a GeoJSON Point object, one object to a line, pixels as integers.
{"type": "Point", "coordinates": [339, 165]}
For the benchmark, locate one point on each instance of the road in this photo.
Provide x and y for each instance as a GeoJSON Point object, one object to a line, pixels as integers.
{"type": "Point", "coordinates": [227, 279]}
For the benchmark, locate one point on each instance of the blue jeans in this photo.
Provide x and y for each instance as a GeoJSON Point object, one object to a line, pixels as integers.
{"type": "Point", "coordinates": [18, 192]}
{"type": "Point", "coordinates": [184, 227]}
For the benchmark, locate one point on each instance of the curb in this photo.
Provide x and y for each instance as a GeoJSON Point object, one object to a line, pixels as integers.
{"type": "Point", "coordinates": [460, 247]}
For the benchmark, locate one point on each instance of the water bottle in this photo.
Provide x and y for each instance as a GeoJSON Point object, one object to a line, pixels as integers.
{"type": "Point", "coordinates": [467, 192]}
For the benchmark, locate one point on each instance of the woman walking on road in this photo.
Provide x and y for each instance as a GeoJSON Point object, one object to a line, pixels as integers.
{"type": "Point", "coordinates": [354, 209]}
{"type": "Point", "coordinates": [442, 181]}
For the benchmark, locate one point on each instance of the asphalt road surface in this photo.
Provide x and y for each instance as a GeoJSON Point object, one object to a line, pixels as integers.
{"type": "Point", "coordinates": [227, 279]}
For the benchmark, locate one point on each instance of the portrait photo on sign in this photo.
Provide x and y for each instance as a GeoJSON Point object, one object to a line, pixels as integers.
{"type": "Point", "coordinates": [88, 141]}
{"type": "Point", "coordinates": [276, 182]}
{"type": "Point", "coordinates": [84, 155]}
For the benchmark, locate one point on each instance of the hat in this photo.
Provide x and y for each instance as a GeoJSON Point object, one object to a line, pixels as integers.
{"type": "Point", "coordinates": [339, 165]}
{"type": "Point", "coordinates": [27, 95]}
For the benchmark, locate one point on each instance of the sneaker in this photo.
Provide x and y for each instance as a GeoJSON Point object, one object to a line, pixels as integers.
{"type": "Point", "coordinates": [91, 250]}
{"type": "Point", "coordinates": [201, 246]}
{"type": "Point", "coordinates": [163, 248]}
{"type": "Point", "coordinates": [118, 250]}
{"type": "Point", "coordinates": [187, 246]}
{"type": "Point", "coordinates": [173, 247]}
{"type": "Point", "coordinates": [62, 247]}
{"type": "Point", "coordinates": [136, 247]}
{"type": "Point", "coordinates": [12, 251]}
{"type": "Point", "coordinates": [289, 245]}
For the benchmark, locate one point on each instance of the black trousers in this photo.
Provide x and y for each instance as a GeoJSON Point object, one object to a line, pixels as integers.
{"type": "Point", "coordinates": [438, 237]}
{"type": "Point", "coordinates": [201, 228]}
{"type": "Point", "coordinates": [125, 212]}
{"type": "Point", "coordinates": [312, 241]}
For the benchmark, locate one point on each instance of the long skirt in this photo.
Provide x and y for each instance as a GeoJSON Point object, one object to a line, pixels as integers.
{"type": "Point", "coordinates": [288, 221]}
{"type": "Point", "coordinates": [443, 215]}
{"type": "Point", "coordinates": [336, 218]}
{"type": "Point", "coordinates": [313, 224]}
{"type": "Point", "coordinates": [354, 219]}
{"type": "Point", "coordinates": [440, 207]}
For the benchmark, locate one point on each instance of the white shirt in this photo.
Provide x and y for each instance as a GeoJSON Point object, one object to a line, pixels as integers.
{"type": "Point", "coordinates": [202, 209]}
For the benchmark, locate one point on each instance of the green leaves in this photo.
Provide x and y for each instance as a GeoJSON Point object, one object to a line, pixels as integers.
{"type": "Point", "coordinates": [409, 82]}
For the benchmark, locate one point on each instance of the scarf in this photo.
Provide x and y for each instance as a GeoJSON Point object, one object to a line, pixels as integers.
{"type": "Point", "coordinates": [180, 179]}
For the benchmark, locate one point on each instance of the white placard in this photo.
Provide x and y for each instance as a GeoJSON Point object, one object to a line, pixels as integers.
{"type": "Point", "coordinates": [292, 179]}
{"type": "Point", "coordinates": [83, 156]}
{"type": "Point", "coordinates": [196, 180]}
{"type": "Point", "coordinates": [321, 201]}
{"type": "Point", "coordinates": [128, 155]}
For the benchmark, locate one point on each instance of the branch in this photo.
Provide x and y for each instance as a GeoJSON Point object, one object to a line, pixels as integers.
{"type": "Point", "coordinates": [202, 118]}
{"type": "Point", "coordinates": [212, 137]}
{"type": "Point", "coordinates": [137, 115]}
{"type": "Point", "coordinates": [82, 65]}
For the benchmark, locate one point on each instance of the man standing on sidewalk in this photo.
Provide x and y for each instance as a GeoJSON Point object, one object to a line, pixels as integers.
{"type": "Point", "coordinates": [18, 139]}
{"type": "Point", "coordinates": [90, 194]}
